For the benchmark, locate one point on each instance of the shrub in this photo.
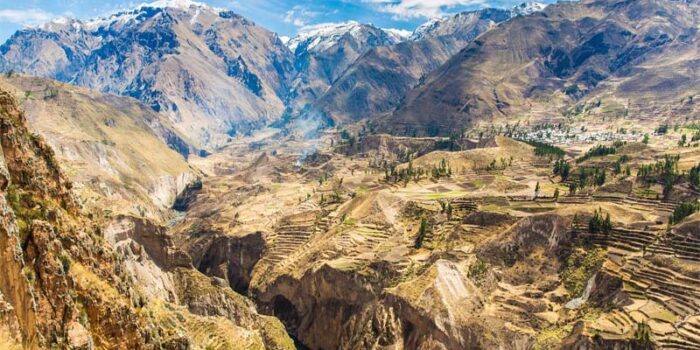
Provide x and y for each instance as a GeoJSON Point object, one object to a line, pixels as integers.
{"type": "Point", "coordinates": [643, 333]}
{"type": "Point", "coordinates": [65, 262]}
{"type": "Point", "coordinates": [694, 176]}
{"type": "Point", "coordinates": [477, 270]}
{"type": "Point", "coordinates": [662, 129]}
{"type": "Point", "coordinates": [562, 168]}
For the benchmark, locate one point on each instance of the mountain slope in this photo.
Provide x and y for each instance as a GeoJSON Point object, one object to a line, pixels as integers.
{"type": "Point", "coordinates": [546, 62]}
{"type": "Point", "coordinates": [377, 81]}
{"type": "Point", "coordinates": [323, 53]}
{"type": "Point", "coordinates": [213, 72]}
{"type": "Point", "coordinates": [113, 148]}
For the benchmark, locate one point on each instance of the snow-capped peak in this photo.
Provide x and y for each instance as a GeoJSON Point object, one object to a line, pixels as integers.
{"type": "Point", "coordinates": [528, 8]}
{"type": "Point", "coordinates": [427, 27]}
{"type": "Point", "coordinates": [323, 36]}
{"type": "Point", "coordinates": [59, 23]}
{"type": "Point", "coordinates": [320, 33]}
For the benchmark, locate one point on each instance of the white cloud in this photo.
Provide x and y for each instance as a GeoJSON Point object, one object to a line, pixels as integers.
{"type": "Point", "coordinates": [25, 17]}
{"type": "Point", "coordinates": [402, 9]}
{"type": "Point", "coordinates": [299, 16]}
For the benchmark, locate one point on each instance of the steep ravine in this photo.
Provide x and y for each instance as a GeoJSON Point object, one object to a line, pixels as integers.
{"type": "Point", "coordinates": [329, 308]}
{"type": "Point", "coordinates": [325, 306]}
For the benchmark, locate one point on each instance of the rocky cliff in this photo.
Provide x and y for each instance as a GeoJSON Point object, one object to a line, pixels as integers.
{"type": "Point", "coordinates": [67, 282]}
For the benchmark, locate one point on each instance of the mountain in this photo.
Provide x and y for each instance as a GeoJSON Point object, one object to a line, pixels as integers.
{"type": "Point", "coordinates": [619, 54]}
{"type": "Point", "coordinates": [114, 149]}
{"type": "Point", "coordinates": [376, 82]}
{"type": "Point", "coordinates": [324, 52]}
{"type": "Point", "coordinates": [213, 72]}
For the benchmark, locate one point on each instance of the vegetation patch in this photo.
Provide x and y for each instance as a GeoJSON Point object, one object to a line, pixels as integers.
{"type": "Point", "coordinates": [551, 337]}
{"type": "Point", "coordinates": [684, 210]}
{"type": "Point", "coordinates": [546, 150]}
{"type": "Point", "coordinates": [580, 267]}
{"type": "Point", "coordinates": [597, 151]}
{"type": "Point", "coordinates": [477, 270]}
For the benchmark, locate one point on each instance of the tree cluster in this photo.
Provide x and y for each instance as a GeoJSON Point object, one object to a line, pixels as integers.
{"type": "Point", "coordinates": [600, 223]}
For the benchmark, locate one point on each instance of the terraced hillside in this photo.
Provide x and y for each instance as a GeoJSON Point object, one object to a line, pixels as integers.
{"type": "Point", "coordinates": [494, 245]}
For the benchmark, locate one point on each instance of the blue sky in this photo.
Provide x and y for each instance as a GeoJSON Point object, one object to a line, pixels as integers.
{"type": "Point", "coordinates": [285, 17]}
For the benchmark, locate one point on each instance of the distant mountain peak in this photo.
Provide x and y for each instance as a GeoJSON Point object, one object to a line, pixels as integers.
{"type": "Point", "coordinates": [442, 25]}
{"type": "Point", "coordinates": [399, 34]}
{"type": "Point", "coordinates": [326, 35]}
{"type": "Point", "coordinates": [121, 16]}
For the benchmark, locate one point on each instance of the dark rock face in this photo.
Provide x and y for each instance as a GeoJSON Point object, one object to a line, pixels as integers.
{"type": "Point", "coordinates": [239, 69]}
{"type": "Point", "coordinates": [188, 196]}
{"type": "Point", "coordinates": [154, 239]}
{"type": "Point", "coordinates": [231, 258]}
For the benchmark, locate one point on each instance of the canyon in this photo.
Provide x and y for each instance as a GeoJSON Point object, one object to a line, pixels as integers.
{"type": "Point", "coordinates": [176, 176]}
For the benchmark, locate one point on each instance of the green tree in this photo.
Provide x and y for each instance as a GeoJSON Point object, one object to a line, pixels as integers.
{"type": "Point", "coordinates": [422, 231]}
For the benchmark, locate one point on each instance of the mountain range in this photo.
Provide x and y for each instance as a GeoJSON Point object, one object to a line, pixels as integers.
{"type": "Point", "coordinates": [571, 54]}
{"type": "Point", "coordinates": [188, 60]}
{"type": "Point", "coordinates": [216, 74]}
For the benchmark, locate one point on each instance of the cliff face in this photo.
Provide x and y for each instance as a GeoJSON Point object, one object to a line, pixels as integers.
{"type": "Point", "coordinates": [68, 283]}
{"type": "Point", "coordinates": [45, 245]}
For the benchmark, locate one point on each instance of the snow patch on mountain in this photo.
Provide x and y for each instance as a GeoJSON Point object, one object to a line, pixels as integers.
{"type": "Point", "coordinates": [528, 8]}
{"type": "Point", "coordinates": [176, 4]}
{"type": "Point", "coordinates": [424, 29]}
{"type": "Point", "coordinates": [125, 16]}
{"type": "Point", "coordinates": [398, 34]}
